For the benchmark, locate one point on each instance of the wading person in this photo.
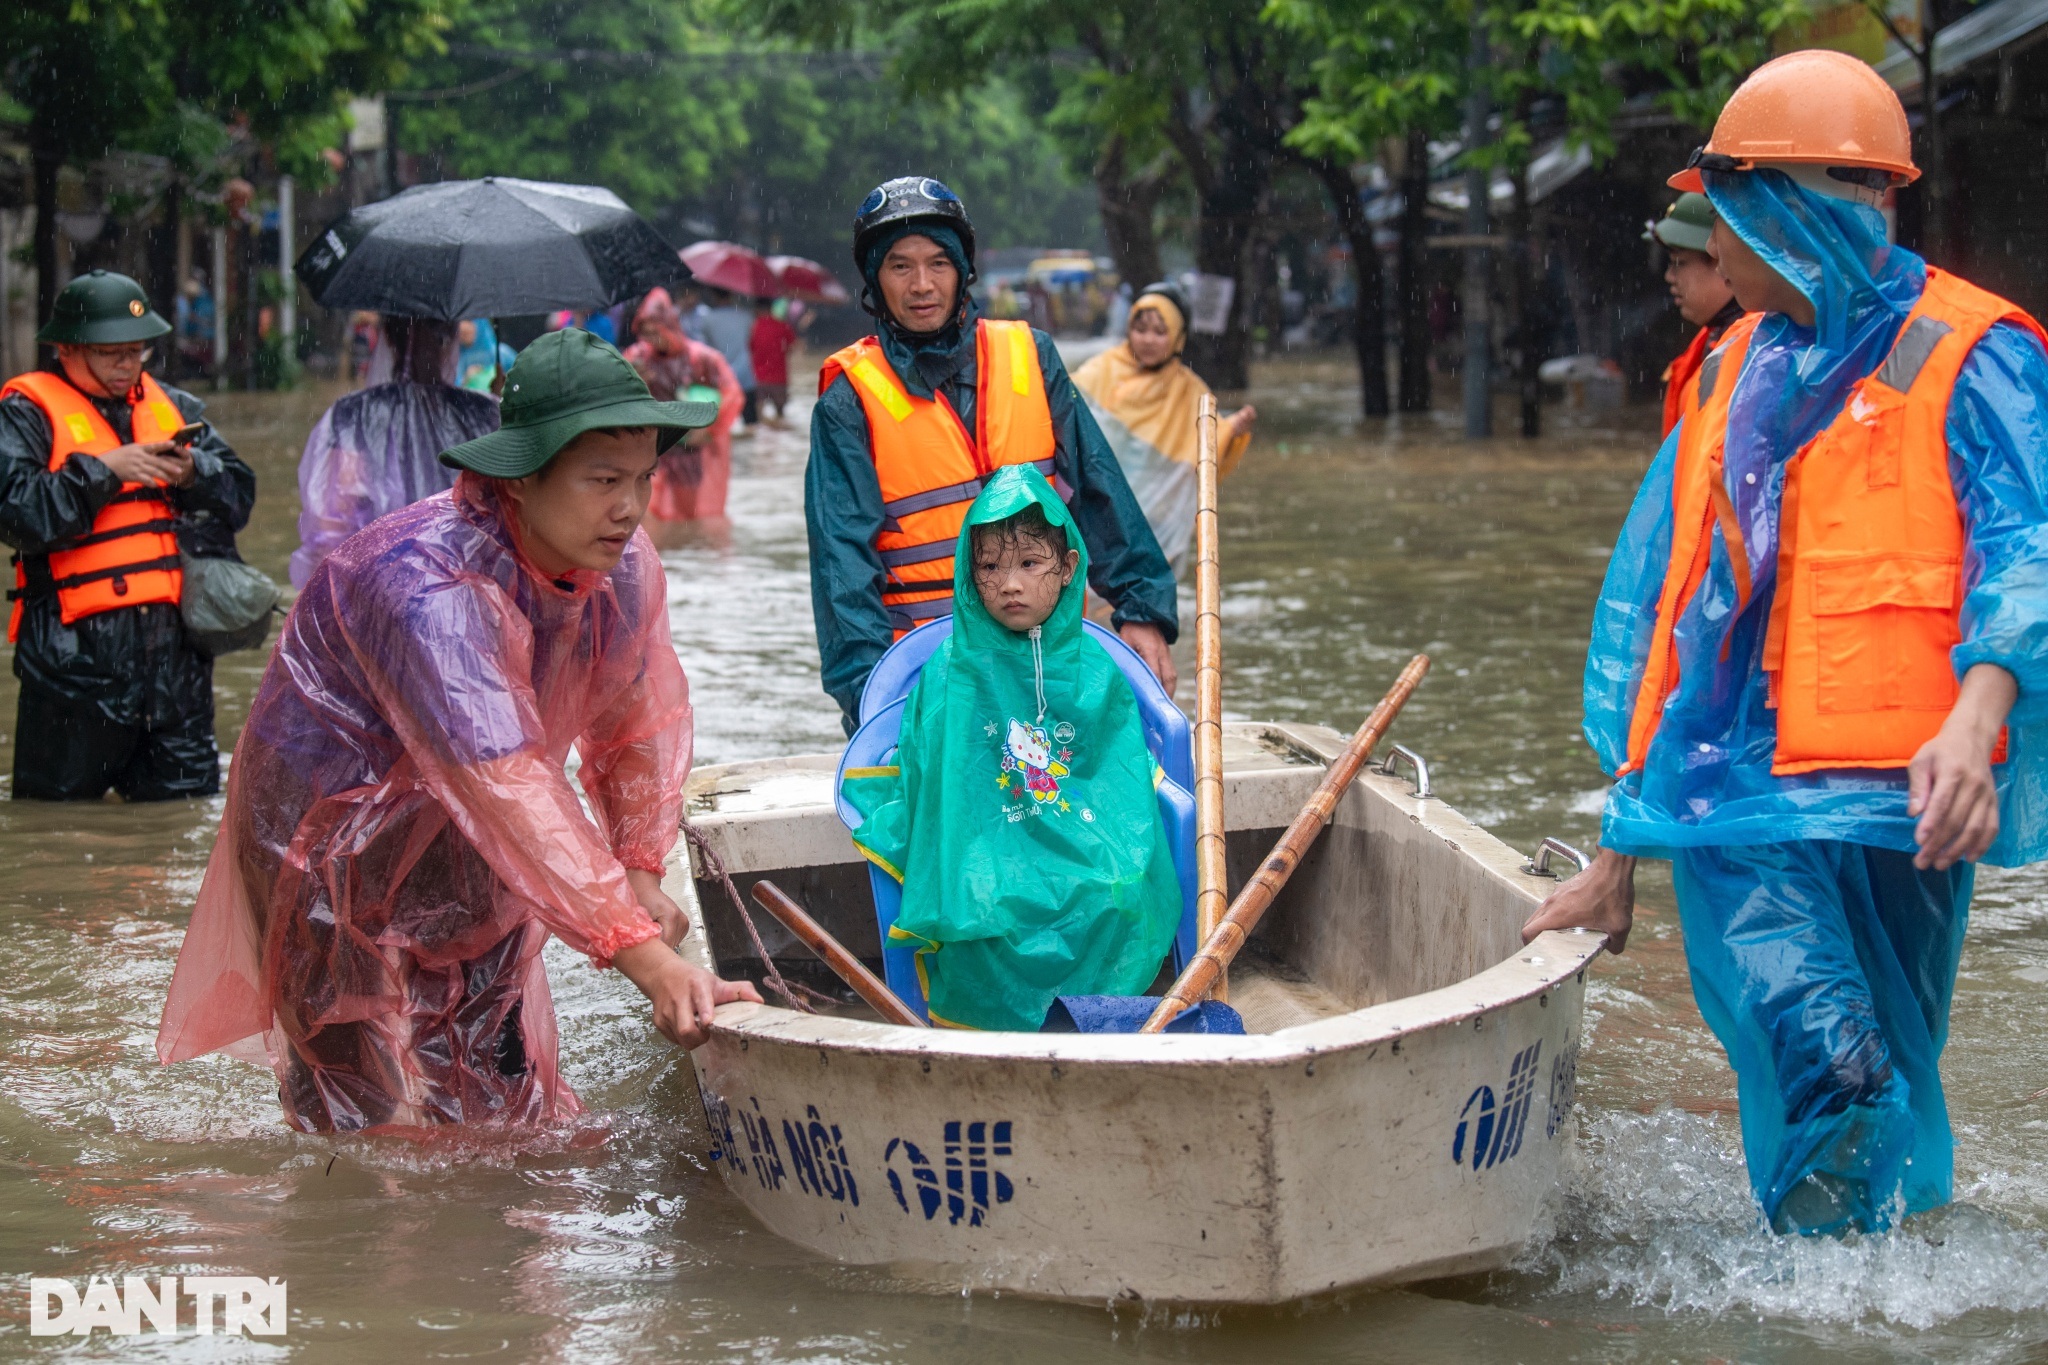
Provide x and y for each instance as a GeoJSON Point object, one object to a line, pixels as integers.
{"type": "Point", "coordinates": [1818, 666]}
{"type": "Point", "coordinates": [768, 345]}
{"type": "Point", "coordinates": [909, 424]}
{"type": "Point", "coordinates": [1703, 296]}
{"type": "Point", "coordinates": [729, 330]}
{"type": "Point", "coordinates": [378, 449]}
{"type": "Point", "coordinates": [1021, 816]}
{"type": "Point", "coordinates": [1144, 399]}
{"type": "Point", "coordinates": [690, 482]}
{"type": "Point", "coordinates": [400, 837]}
{"type": "Point", "coordinates": [99, 487]}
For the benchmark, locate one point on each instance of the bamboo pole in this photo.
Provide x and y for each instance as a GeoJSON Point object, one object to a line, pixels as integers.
{"type": "Point", "coordinates": [1221, 947]}
{"type": "Point", "coordinates": [1212, 897]}
{"type": "Point", "coordinates": [814, 936]}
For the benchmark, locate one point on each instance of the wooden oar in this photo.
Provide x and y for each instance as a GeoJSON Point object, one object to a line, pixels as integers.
{"type": "Point", "coordinates": [1221, 946]}
{"type": "Point", "coordinates": [1212, 897]}
{"type": "Point", "coordinates": [813, 935]}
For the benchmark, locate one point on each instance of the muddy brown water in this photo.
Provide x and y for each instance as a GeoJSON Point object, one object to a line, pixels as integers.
{"type": "Point", "coordinates": [1348, 546]}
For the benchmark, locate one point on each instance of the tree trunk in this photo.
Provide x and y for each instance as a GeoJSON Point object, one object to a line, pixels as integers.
{"type": "Point", "coordinates": [163, 268]}
{"type": "Point", "coordinates": [1126, 201]}
{"type": "Point", "coordinates": [1369, 316]}
{"type": "Point", "coordinates": [48, 161]}
{"type": "Point", "coordinates": [1414, 278]}
{"type": "Point", "coordinates": [1522, 285]}
{"type": "Point", "coordinates": [1478, 368]}
{"type": "Point", "coordinates": [1228, 212]}
{"type": "Point", "coordinates": [1940, 243]}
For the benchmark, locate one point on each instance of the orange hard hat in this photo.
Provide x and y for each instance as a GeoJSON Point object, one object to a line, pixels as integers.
{"type": "Point", "coordinates": [1813, 107]}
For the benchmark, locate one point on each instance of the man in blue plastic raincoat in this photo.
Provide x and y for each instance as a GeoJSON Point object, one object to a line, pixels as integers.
{"type": "Point", "coordinates": [1818, 669]}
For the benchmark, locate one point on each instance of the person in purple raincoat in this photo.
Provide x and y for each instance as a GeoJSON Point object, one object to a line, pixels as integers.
{"type": "Point", "coordinates": [378, 449]}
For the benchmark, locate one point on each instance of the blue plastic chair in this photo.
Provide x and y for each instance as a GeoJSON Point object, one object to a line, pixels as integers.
{"type": "Point", "coordinates": [874, 746]}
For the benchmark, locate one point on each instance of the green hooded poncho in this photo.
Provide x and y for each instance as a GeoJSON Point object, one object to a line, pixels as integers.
{"type": "Point", "coordinates": [1022, 818]}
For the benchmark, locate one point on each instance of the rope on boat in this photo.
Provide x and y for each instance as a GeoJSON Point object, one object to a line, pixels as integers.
{"type": "Point", "coordinates": [715, 865]}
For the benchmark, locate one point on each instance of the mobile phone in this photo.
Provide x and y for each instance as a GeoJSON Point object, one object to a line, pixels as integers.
{"type": "Point", "coordinates": [187, 434]}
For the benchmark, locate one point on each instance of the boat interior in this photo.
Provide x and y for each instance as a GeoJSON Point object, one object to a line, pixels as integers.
{"type": "Point", "coordinates": [1398, 896]}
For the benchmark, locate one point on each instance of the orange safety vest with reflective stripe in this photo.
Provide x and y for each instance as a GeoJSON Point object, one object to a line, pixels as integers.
{"type": "Point", "coordinates": [130, 557]}
{"type": "Point", "coordinates": [930, 468]}
{"type": "Point", "coordinates": [1869, 594]}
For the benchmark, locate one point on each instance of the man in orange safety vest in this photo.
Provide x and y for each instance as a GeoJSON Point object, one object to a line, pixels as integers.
{"type": "Point", "coordinates": [105, 476]}
{"type": "Point", "coordinates": [909, 423]}
{"type": "Point", "coordinates": [1699, 290]}
{"type": "Point", "coordinates": [1819, 665]}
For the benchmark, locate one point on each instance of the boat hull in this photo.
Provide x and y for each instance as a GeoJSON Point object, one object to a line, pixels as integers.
{"type": "Point", "coordinates": [1413, 1137]}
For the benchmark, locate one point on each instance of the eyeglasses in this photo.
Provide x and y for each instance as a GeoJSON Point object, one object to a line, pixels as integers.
{"type": "Point", "coordinates": [114, 355]}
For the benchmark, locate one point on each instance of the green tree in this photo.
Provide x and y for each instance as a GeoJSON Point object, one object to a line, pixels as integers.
{"type": "Point", "coordinates": [1390, 70]}
{"type": "Point", "coordinates": [820, 136]}
{"type": "Point", "coordinates": [174, 76]}
{"type": "Point", "coordinates": [636, 97]}
{"type": "Point", "coordinates": [770, 146]}
{"type": "Point", "coordinates": [1206, 78]}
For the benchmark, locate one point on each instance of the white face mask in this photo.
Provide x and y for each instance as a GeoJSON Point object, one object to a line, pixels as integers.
{"type": "Point", "coordinates": [1816, 178]}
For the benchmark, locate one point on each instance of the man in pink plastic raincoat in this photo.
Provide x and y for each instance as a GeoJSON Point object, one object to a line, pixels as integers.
{"type": "Point", "coordinates": [401, 837]}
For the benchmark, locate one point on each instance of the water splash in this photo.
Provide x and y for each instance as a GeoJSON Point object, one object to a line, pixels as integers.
{"type": "Point", "coordinates": [1656, 1211]}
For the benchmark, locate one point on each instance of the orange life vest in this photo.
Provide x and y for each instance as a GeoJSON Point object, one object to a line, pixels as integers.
{"type": "Point", "coordinates": [1680, 388]}
{"type": "Point", "coordinates": [1869, 592]}
{"type": "Point", "coordinates": [930, 468]}
{"type": "Point", "coordinates": [130, 557]}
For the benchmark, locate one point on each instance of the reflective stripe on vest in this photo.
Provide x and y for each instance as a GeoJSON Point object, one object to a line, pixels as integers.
{"type": "Point", "coordinates": [1871, 544]}
{"type": "Point", "coordinates": [929, 467]}
{"type": "Point", "coordinates": [130, 557]}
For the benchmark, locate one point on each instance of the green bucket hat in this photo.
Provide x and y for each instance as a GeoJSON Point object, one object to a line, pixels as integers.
{"type": "Point", "coordinates": [563, 385]}
{"type": "Point", "coordinates": [101, 308]}
{"type": "Point", "coordinates": [1685, 225]}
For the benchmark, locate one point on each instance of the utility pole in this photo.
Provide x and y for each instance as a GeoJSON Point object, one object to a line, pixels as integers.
{"type": "Point", "coordinates": [1478, 259]}
{"type": "Point", "coordinates": [219, 285]}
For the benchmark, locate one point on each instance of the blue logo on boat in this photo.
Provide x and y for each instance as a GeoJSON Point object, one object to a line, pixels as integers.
{"type": "Point", "coordinates": [1489, 1132]}
{"type": "Point", "coordinates": [1564, 1086]}
{"type": "Point", "coordinates": [971, 1187]}
{"type": "Point", "coordinates": [816, 1153]}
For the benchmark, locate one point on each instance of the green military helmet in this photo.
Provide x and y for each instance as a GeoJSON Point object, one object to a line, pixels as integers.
{"type": "Point", "coordinates": [1685, 225]}
{"type": "Point", "coordinates": [101, 309]}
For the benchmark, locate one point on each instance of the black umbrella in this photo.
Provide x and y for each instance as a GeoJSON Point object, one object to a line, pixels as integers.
{"type": "Point", "coordinates": [494, 247]}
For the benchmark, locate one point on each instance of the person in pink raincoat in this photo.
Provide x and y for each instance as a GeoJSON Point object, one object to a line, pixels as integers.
{"type": "Point", "coordinates": [400, 836]}
{"type": "Point", "coordinates": [691, 481]}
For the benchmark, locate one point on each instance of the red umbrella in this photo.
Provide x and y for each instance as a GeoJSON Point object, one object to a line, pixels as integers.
{"type": "Point", "coordinates": [728, 265]}
{"type": "Point", "coordinates": [807, 280]}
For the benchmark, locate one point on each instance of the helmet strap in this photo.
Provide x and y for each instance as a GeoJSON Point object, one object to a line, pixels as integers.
{"type": "Point", "coordinates": [1832, 182]}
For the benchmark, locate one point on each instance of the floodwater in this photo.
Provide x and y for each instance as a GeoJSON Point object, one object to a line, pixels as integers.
{"type": "Point", "coordinates": [1347, 547]}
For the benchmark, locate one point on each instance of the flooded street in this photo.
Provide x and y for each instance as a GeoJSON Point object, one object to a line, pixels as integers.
{"type": "Point", "coordinates": [1347, 547]}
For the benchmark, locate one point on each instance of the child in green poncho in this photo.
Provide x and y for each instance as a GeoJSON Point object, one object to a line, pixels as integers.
{"type": "Point", "coordinates": [1022, 818]}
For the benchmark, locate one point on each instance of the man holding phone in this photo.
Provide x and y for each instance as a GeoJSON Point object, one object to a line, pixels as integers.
{"type": "Point", "coordinates": [104, 473]}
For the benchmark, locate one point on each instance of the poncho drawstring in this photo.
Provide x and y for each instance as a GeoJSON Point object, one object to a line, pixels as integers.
{"type": "Point", "coordinates": [1038, 670]}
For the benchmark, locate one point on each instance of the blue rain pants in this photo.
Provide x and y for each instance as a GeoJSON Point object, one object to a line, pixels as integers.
{"type": "Point", "coordinates": [1826, 970]}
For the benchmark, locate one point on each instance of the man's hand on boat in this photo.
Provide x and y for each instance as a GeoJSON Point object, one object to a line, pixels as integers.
{"type": "Point", "coordinates": [1149, 642]}
{"type": "Point", "coordinates": [1602, 898]}
{"type": "Point", "coordinates": [683, 994]}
